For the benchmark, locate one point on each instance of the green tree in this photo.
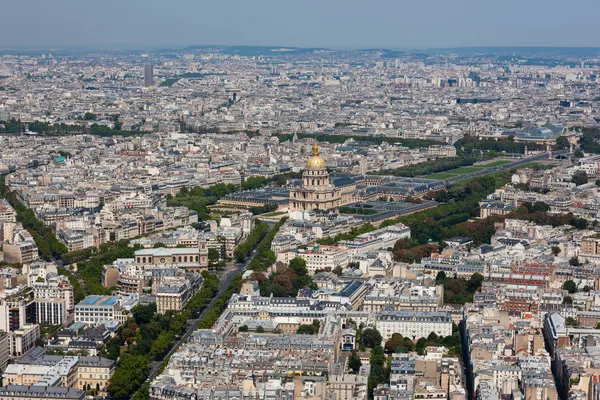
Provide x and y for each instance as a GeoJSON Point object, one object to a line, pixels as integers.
{"type": "Point", "coordinates": [569, 321]}
{"type": "Point", "coordinates": [562, 142]}
{"type": "Point", "coordinates": [159, 245]}
{"type": "Point", "coordinates": [555, 250]}
{"type": "Point", "coordinates": [143, 313]}
{"type": "Point", "coordinates": [568, 300]}
{"type": "Point", "coordinates": [440, 277]}
{"type": "Point", "coordinates": [570, 286]}
{"type": "Point", "coordinates": [130, 374]}
{"type": "Point", "coordinates": [311, 329]}
{"type": "Point", "coordinates": [298, 265]}
{"type": "Point", "coordinates": [213, 256]}
{"type": "Point", "coordinates": [394, 342]}
{"type": "Point", "coordinates": [574, 261]}
{"type": "Point", "coordinates": [370, 337]}
{"type": "Point", "coordinates": [475, 282]}
{"type": "Point", "coordinates": [88, 116]}
{"type": "Point", "coordinates": [579, 178]}
{"type": "Point", "coordinates": [243, 328]}
{"type": "Point", "coordinates": [354, 362]}
{"type": "Point", "coordinates": [260, 329]}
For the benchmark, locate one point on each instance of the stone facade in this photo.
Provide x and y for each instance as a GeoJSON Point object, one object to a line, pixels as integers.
{"type": "Point", "coordinates": [316, 191]}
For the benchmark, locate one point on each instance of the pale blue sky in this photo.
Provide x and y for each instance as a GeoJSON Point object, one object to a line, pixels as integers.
{"type": "Point", "coordinates": [308, 23]}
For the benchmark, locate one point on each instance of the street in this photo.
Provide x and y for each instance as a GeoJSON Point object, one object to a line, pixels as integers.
{"type": "Point", "coordinates": [193, 323]}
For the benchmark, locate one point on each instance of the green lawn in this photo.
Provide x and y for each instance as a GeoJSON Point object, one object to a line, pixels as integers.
{"type": "Point", "coordinates": [465, 170]}
{"type": "Point", "coordinates": [495, 163]}
{"type": "Point", "coordinates": [440, 175]}
{"type": "Point", "coordinates": [273, 214]}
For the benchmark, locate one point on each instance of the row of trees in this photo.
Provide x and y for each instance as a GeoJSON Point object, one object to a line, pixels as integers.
{"type": "Point", "coordinates": [371, 338]}
{"type": "Point", "coordinates": [380, 372]}
{"type": "Point", "coordinates": [264, 255]}
{"type": "Point", "coordinates": [90, 269]}
{"type": "Point", "coordinates": [449, 219]}
{"type": "Point", "coordinates": [149, 336]}
{"type": "Point", "coordinates": [321, 137]}
{"type": "Point", "coordinates": [245, 248]}
{"type": "Point", "coordinates": [263, 209]}
{"type": "Point", "coordinates": [399, 344]}
{"type": "Point", "coordinates": [220, 303]}
{"type": "Point", "coordinates": [356, 210]}
{"type": "Point", "coordinates": [354, 232]}
{"type": "Point", "coordinates": [439, 165]}
{"type": "Point", "coordinates": [471, 144]}
{"type": "Point", "coordinates": [207, 321]}
{"type": "Point", "coordinates": [15, 126]}
{"type": "Point", "coordinates": [50, 248]}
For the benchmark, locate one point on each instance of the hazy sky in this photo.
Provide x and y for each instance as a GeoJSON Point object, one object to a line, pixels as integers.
{"type": "Point", "coordinates": [318, 23]}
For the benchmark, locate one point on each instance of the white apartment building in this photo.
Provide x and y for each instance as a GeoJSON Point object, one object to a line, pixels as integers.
{"type": "Point", "coordinates": [23, 339]}
{"type": "Point", "coordinates": [319, 257]}
{"type": "Point", "coordinates": [376, 240]}
{"type": "Point", "coordinates": [54, 300]}
{"type": "Point", "coordinates": [94, 310]}
{"type": "Point", "coordinates": [414, 324]}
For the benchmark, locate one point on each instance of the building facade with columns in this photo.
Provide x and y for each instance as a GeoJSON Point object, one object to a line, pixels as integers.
{"type": "Point", "coordinates": [316, 192]}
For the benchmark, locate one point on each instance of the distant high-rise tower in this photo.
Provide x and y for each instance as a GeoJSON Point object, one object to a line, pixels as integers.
{"type": "Point", "coordinates": [148, 75]}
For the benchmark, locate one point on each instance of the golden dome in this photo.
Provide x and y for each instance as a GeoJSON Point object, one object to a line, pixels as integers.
{"type": "Point", "coordinates": [316, 161]}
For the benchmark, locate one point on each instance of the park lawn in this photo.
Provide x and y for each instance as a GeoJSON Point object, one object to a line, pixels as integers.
{"type": "Point", "coordinates": [495, 163]}
{"type": "Point", "coordinates": [465, 170]}
{"type": "Point", "coordinates": [273, 214]}
{"type": "Point", "coordinates": [440, 175]}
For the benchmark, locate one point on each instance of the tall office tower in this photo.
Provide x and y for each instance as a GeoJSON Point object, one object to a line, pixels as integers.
{"type": "Point", "coordinates": [148, 75]}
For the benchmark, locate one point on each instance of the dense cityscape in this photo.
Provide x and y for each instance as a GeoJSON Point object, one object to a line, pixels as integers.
{"type": "Point", "coordinates": [236, 222]}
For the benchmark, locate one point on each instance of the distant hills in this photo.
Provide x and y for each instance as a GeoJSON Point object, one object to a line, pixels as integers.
{"type": "Point", "coordinates": [249, 51]}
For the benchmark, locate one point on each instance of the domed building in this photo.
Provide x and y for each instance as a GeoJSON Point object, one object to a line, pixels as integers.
{"type": "Point", "coordinates": [316, 192]}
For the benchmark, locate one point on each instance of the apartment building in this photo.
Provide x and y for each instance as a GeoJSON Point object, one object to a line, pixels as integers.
{"type": "Point", "coordinates": [19, 246]}
{"type": "Point", "coordinates": [7, 213]}
{"type": "Point", "coordinates": [379, 239]}
{"type": "Point", "coordinates": [23, 339]}
{"type": "Point", "coordinates": [94, 310]}
{"type": "Point", "coordinates": [81, 372]}
{"type": "Point", "coordinates": [4, 350]}
{"type": "Point", "coordinates": [349, 386]}
{"type": "Point", "coordinates": [29, 392]}
{"type": "Point", "coordinates": [54, 300]}
{"type": "Point", "coordinates": [319, 257]}
{"type": "Point", "coordinates": [190, 259]}
{"type": "Point", "coordinates": [174, 293]}
{"type": "Point", "coordinates": [414, 324]}
{"type": "Point", "coordinates": [16, 309]}
{"type": "Point", "coordinates": [590, 248]}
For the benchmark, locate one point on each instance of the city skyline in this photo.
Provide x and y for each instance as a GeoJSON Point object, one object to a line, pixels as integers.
{"type": "Point", "coordinates": [336, 24]}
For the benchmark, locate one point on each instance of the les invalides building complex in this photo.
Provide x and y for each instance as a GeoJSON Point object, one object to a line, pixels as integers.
{"type": "Point", "coordinates": [316, 192]}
